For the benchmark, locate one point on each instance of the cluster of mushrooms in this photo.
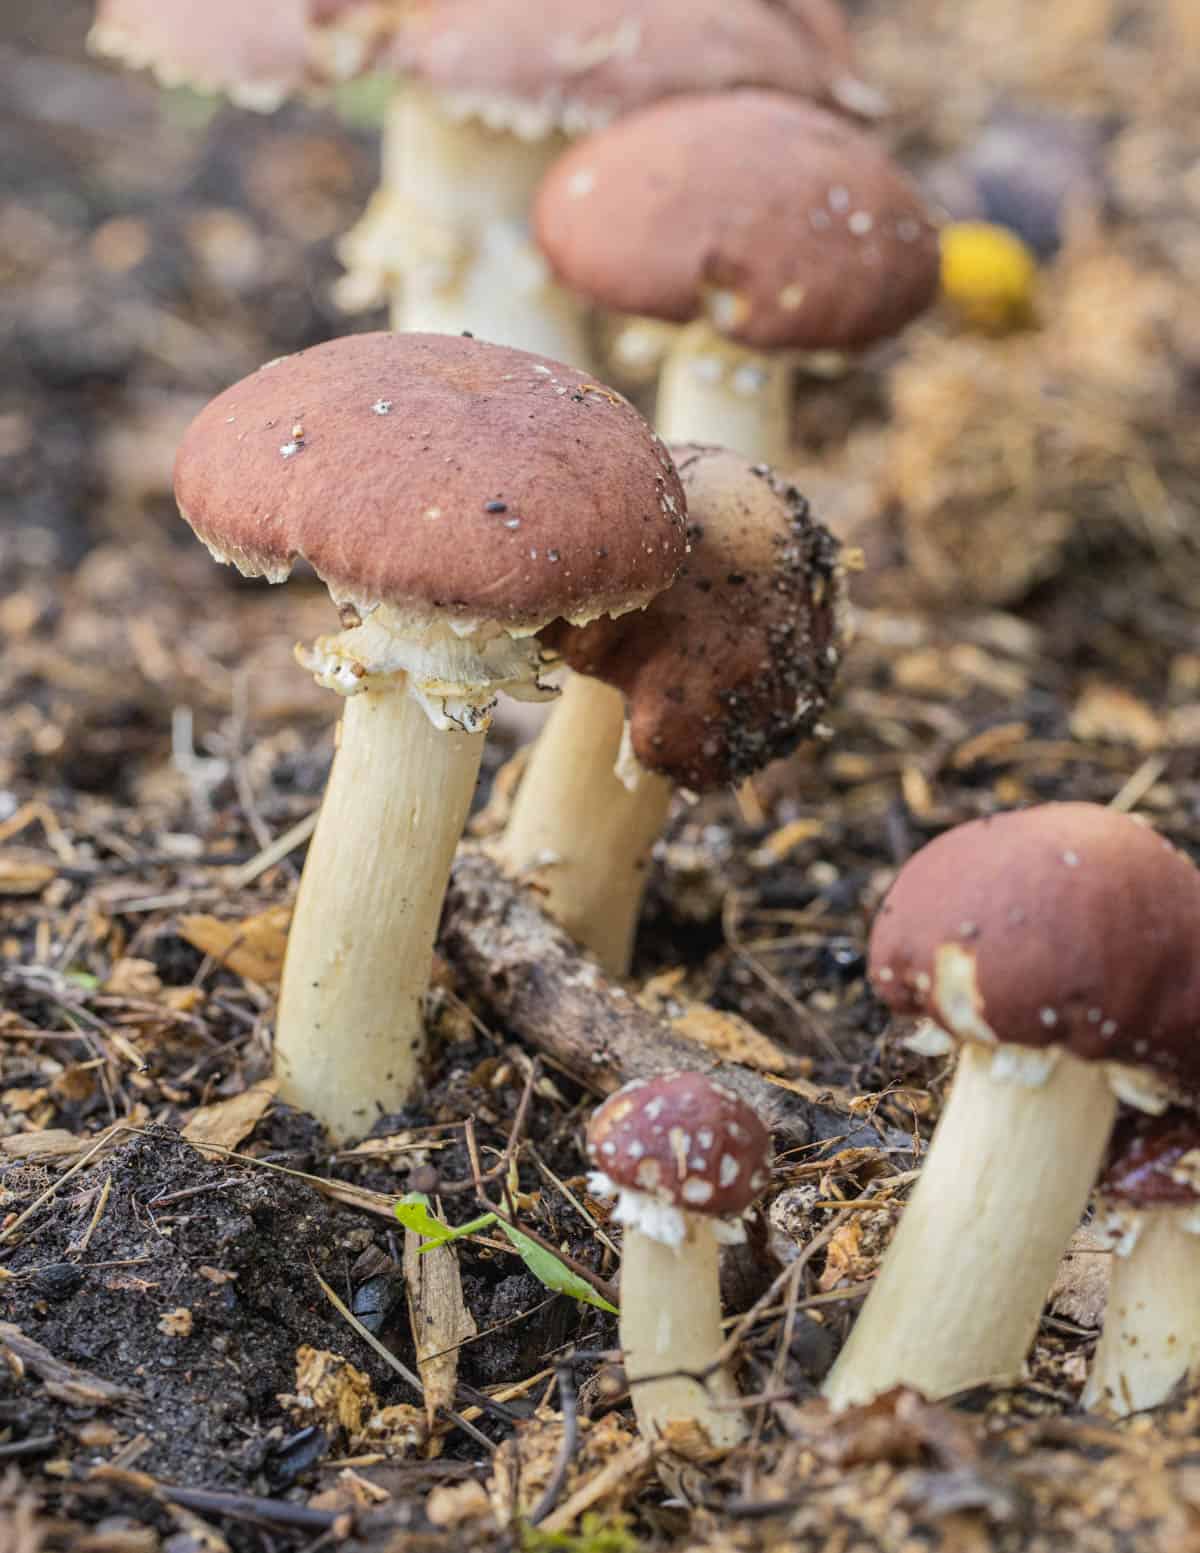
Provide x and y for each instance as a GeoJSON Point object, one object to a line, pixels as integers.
{"type": "Point", "coordinates": [483, 514]}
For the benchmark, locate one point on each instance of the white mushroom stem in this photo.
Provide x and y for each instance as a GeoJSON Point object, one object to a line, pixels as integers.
{"type": "Point", "coordinates": [671, 1323]}
{"type": "Point", "coordinates": [585, 835]}
{"type": "Point", "coordinates": [958, 1299]}
{"type": "Point", "coordinates": [460, 194]}
{"type": "Point", "coordinates": [1151, 1337]}
{"type": "Point", "coordinates": [712, 390]}
{"type": "Point", "coordinates": [350, 1031]}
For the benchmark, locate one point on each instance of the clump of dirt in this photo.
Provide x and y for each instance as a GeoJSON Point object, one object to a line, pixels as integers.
{"type": "Point", "coordinates": [195, 1289]}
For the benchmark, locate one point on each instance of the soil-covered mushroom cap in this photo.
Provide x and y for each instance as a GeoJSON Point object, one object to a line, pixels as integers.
{"type": "Point", "coordinates": [683, 1140]}
{"type": "Point", "coordinates": [258, 53]}
{"type": "Point", "coordinates": [1067, 925]}
{"type": "Point", "coordinates": [440, 476]}
{"type": "Point", "coordinates": [1154, 1160]}
{"type": "Point", "coordinates": [731, 666]}
{"type": "Point", "coordinates": [534, 65]}
{"type": "Point", "coordinates": [783, 224]}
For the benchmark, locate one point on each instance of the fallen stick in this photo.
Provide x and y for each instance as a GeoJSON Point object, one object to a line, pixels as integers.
{"type": "Point", "coordinates": [526, 973]}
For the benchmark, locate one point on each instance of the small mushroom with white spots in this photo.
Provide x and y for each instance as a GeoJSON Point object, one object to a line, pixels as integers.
{"type": "Point", "coordinates": [728, 669]}
{"type": "Point", "coordinates": [456, 498]}
{"type": "Point", "coordinates": [777, 232]}
{"type": "Point", "coordinates": [685, 1158]}
{"type": "Point", "coordinates": [1057, 946]}
{"type": "Point", "coordinates": [1149, 1206]}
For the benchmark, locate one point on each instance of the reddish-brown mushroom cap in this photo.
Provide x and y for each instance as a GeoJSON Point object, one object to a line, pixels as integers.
{"type": "Point", "coordinates": [437, 474]}
{"type": "Point", "coordinates": [1067, 925]}
{"type": "Point", "coordinates": [731, 666]}
{"type": "Point", "coordinates": [683, 1140]}
{"type": "Point", "coordinates": [783, 224]}
{"type": "Point", "coordinates": [1154, 1160]}
{"type": "Point", "coordinates": [577, 64]}
{"type": "Point", "coordinates": [258, 52]}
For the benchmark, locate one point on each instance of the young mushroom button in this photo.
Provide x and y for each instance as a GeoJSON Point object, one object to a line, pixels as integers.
{"type": "Point", "coordinates": [726, 670]}
{"type": "Point", "coordinates": [455, 498]}
{"type": "Point", "coordinates": [1149, 1205]}
{"type": "Point", "coordinates": [685, 1158]}
{"type": "Point", "coordinates": [1058, 945]}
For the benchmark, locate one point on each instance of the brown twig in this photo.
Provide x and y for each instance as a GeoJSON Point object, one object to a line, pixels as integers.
{"type": "Point", "coordinates": [522, 967]}
{"type": "Point", "coordinates": [569, 1404]}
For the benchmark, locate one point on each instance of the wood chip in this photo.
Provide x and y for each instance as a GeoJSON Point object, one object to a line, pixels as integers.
{"type": "Point", "coordinates": [1079, 1292]}
{"type": "Point", "coordinates": [438, 1318]}
{"type": "Point", "coordinates": [50, 1143]}
{"type": "Point", "coordinates": [74, 1386]}
{"type": "Point", "coordinates": [227, 1122]}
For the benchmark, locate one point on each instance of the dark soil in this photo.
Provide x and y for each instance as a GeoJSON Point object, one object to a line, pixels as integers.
{"type": "Point", "coordinates": [155, 735]}
{"type": "Point", "coordinates": [233, 1247]}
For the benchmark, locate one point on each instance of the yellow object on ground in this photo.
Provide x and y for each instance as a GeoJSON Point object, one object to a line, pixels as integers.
{"type": "Point", "coordinates": [989, 275]}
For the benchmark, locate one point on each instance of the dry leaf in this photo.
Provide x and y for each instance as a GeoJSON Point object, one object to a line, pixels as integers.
{"type": "Point", "coordinates": [21, 1101]}
{"type": "Point", "coordinates": [132, 978]}
{"type": "Point", "coordinates": [252, 948]}
{"type": "Point", "coordinates": [227, 1122]}
{"type": "Point", "coordinates": [728, 1035]}
{"type": "Point", "coordinates": [525, 1462]}
{"type": "Point", "coordinates": [399, 1430]}
{"type": "Point", "coordinates": [843, 1259]}
{"type": "Point", "coordinates": [1107, 714]}
{"type": "Point", "coordinates": [23, 873]}
{"type": "Point", "coordinates": [1079, 1292]}
{"type": "Point", "coordinates": [50, 1142]}
{"type": "Point", "coordinates": [351, 1491]}
{"type": "Point", "coordinates": [452, 1504]}
{"type": "Point", "coordinates": [330, 1390]}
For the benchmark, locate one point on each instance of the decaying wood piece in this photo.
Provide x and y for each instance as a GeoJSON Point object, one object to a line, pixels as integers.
{"type": "Point", "coordinates": [438, 1318]}
{"type": "Point", "coordinates": [66, 1382]}
{"type": "Point", "coordinates": [525, 970]}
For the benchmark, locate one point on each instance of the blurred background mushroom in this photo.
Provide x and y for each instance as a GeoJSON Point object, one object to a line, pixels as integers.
{"type": "Point", "coordinates": [779, 234]}
{"type": "Point", "coordinates": [256, 55]}
{"type": "Point", "coordinates": [495, 88]}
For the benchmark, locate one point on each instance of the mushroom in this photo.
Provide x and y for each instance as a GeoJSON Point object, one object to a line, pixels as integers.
{"type": "Point", "coordinates": [494, 87]}
{"type": "Point", "coordinates": [726, 670]}
{"type": "Point", "coordinates": [257, 55]}
{"type": "Point", "coordinates": [1058, 945]}
{"type": "Point", "coordinates": [685, 1158]}
{"type": "Point", "coordinates": [455, 498]}
{"type": "Point", "coordinates": [1149, 1204]}
{"type": "Point", "coordinates": [765, 224]}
